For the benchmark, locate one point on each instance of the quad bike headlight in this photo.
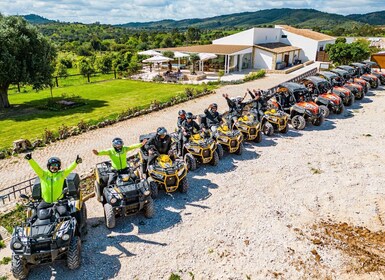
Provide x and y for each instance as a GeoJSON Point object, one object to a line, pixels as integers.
{"type": "Point", "coordinates": [113, 200]}
{"type": "Point", "coordinates": [17, 245]}
{"type": "Point", "coordinates": [65, 237]}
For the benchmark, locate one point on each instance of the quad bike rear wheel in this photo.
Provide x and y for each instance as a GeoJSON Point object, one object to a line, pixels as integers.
{"type": "Point", "coordinates": [268, 129]}
{"type": "Point", "coordinates": [374, 84]}
{"type": "Point", "coordinates": [97, 191]}
{"type": "Point", "coordinates": [74, 252]}
{"type": "Point", "coordinates": [190, 161]}
{"type": "Point", "coordinates": [154, 189]}
{"type": "Point", "coordinates": [220, 151]}
{"type": "Point", "coordinates": [109, 215]}
{"type": "Point", "coordinates": [215, 160]}
{"type": "Point", "coordinates": [298, 122]}
{"type": "Point", "coordinates": [240, 149]}
{"type": "Point", "coordinates": [149, 208]}
{"type": "Point", "coordinates": [258, 139]}
{"type": "Point", "coordinates": [324, 110]}
{"type": "Point", "coordinates": [318, 121]}
{"type": "Point", "coordinates": [183, 185]}
{"type": "Point", "coordinates": [360, 95]}
{"type": "Point", "coordinates": [19, 267]}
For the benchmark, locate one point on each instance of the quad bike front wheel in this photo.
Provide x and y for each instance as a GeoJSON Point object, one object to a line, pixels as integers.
{"type": "Point", "coordinates": [351, 100]}
{"type": "Point", "coordinates": [220, 151]}
{"type": "Point", "coordinates": [109, 215]}
{"type": "Point", "coordinates": [258, 139]}
{"type": "Point", "coordinates": [183, 185]}
{"type": "Point", "coordinates": [74, 252]}
{"type": "Point", "coordinates": [374, 84]}
{"type": "Point", "coordinates": [149, 208]}
{"type": "Point", "coordinates": [154, 189]}
{"type": "Point", "coordinates": [83, 219]}
{"type": "Point", "coordinates": [215, 160]}
{"type": "Point", "coordinates": [324, 110]}
{"type": "Point", "coordinates": [19, 267]}
{"type": "Point", "coordinates": [298, 122]}
{"type": "Point", "coordinates": [190, 161]}
{"type": "Point", "coordinates": [340, 110]}
{"type": "Point", "coordinates": [240, 150]}
{"type": "Point", "coordinates": [268, 129]}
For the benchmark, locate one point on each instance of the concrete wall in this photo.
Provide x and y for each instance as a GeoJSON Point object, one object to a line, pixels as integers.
{"type": "Point", "coordinates": [263, 59]}
{"type": "Point", "coordinates": [309, 47]}
{"type": "Point", "coordinates": [266, 35]}
{"type": "Point", "coordinates": [244, 38]}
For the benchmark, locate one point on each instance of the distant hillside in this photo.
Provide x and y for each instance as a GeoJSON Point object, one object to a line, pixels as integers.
{"type": "Point", "coordinates": [306, 18]}
{"type": "Point", "coordinates": [36, 19]}
{"type": "Point", "coordinates": [376, 18]}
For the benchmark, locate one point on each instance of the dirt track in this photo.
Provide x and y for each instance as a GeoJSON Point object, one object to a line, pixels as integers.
{"type": "Point", "coordinates": [276, 212]}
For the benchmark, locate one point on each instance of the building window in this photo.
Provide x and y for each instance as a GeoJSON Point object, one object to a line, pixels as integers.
{"type": "Point", "coordinates": [284, 36]}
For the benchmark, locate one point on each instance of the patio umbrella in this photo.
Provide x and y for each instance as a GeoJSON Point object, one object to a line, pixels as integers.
{"type": "Point", "coordinates": [157, 59]}
{"type": "Point", "coordinates": [204, 57]}
{"type": "Point", "coordinates": [149, 52]}
{"type": "Point", "coordinates": [179, 55]}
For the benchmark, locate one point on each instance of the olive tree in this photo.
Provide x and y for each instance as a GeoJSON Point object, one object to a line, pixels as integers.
{"type": "Point", "coordinates": [26, 56]}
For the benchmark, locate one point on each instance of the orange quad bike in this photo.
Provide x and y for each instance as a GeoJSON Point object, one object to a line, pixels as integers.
{"type": "Point", "coordinates": [327, 101]}
{"type": "Point", "coordinates": [301, 107]}
{"type": "Point", "coordinates": [349, 81]}
{"type": "Point", "coordinates": [373, 68]}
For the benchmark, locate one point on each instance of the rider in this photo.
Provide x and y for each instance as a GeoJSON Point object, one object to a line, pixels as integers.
{"type": "Point", "coordinates": [118, 156]}
{"type": "Point", "coordinates": [188, 127]}
{"type": "Point", "coordinates": [236, 106]}
{"type": "Point", "coordinates": [51, 180]}
{"type": "Point", "coordinates": [258, 103]}
{"type": "Point", "coordinates": [159, 144]}
{"type": "Point", "coordinates": [286, 100]}
{"type": "Point", "coordinates": [213, 118]}
{"type": "Point", "coordinates": [181, 119]}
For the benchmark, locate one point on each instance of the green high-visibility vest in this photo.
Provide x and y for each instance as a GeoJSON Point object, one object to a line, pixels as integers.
{"type": "Point", "coordinates": [119, 159]}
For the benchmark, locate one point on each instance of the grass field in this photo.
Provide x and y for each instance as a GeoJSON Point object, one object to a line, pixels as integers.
{"type": "Point", "coordinates": [103, 99]}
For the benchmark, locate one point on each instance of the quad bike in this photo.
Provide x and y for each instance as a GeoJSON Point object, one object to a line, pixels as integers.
{"type": "Point", "coordinates": [51, 232]}
{"type": "Point", "coordinates": [227, 139]}
{"type": "Point", "coordinates": [372, 67]}
{"type": "Point", "coordinates": [165, 173]}
{"type": "Point", "coordinates": [327, 101]}
{"type": "Point", "coordinates": [304, 110]}
{"type": "Point", "coordinates": [126, 195]}
{"type": "Point", "coordinates": [274, 120]}
{"type": "Point", "coordinates": [249, 126]}
{"type": "Point", "coordinates": [359, 70]}
{"type": "Point", "coordinates": [200, 149]}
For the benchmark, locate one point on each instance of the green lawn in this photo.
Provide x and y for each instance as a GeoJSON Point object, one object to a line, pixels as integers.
{"type": "Point", "coordinates": [103, 99]}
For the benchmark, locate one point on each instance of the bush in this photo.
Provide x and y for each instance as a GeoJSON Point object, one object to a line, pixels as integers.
{"type": "Point", "coordinates": [2, 244]}
{"type": "Point", "coordinates": [158, 78]}
{"type": "Point", "coordinates": [64, 132]}
{"type": "Point", "coordinates": [82, 125]}
{"type": "Point", "coordinates": [255, 75]}
{"type": "Point", "coordinates": [5, 260]}
{"type": "Point", "coordinates": [48, 136]}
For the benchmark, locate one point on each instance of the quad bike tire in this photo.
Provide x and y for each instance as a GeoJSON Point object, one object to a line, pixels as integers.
{"type": "Point", "coordinates": [83, 229]}
{"type": "Point", "coordinates": [220, 151]}
{"type": "Point", "coordinates": [215, 160]}
{"type": "Point", "coordinates": [74, 253]}
{"type": "Point", "coordinates": [183, 185]}
{"type": "Point", "coordinates": [154, 189]}
{"type": "Point", "coordinates": [324, 110]}
{"type": "Point", "coordinates": [374, 84]}
{"type": "Point", "coordinates": [240, 150]}
{"type": "Point", "coordinates": [258, 139]}
{"type": "Point", "coordinates": [109, 215]}
{"type": "Point", "coordinates": [298, 122]}
{"type": "Point", "coordinates": [268, 129]}
{"type": "Point", "coordinates": [318, 121]}
{"type": "Point", "coordinates": [19, 267]}
{"type": "Point", "coordinates": [190, 161]}
{"type": "Point", "coordinates": [149, 208]}
{"type": "Point", "coordinates": [361, 95]}
{"type": "Point", "coordinates": [285, 129]}
{"type": "Point", "coordinates": [351, 101]}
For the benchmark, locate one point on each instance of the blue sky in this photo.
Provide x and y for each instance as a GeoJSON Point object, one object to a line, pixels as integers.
{"type": "Point", "coordinates": [120, 11]}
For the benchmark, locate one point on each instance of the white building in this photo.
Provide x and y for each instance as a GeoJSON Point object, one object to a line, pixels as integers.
{"type": "Point", "coordinates": [266, 48]}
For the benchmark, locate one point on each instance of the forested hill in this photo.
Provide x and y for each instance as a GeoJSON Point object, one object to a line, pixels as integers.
{"type": "Point", "coordinates": [376, 18]}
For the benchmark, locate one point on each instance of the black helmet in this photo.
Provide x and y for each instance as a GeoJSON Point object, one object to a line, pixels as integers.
{"type": "Point", "coordinates": [161, 131]}
{"type": "Point", "coordinates": [214, 105]}
{"type": "Point", "coordinates": [54, 161]}
{"type": "Point", "coordinates": [181, 112]}
{"type": "Point", "coordinates": [117, 143]}
{"type": "Point", "coordinates": [189, 115]}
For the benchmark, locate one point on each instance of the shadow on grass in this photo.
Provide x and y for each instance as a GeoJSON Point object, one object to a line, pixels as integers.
{"type": "Point", "coordinates": [48, 108]}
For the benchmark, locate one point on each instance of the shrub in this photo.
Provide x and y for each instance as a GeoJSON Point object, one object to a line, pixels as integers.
{"type": "Point", "coordinates": [82, 125]}
{"type": "Point", "coordinates": [48, 136]}
{"type": "Point", "coordinates": [5, 260]}
{"type": "Point", "coordinates": [255, 75]}
{"type": "Point", "coordinates": [64, 132]}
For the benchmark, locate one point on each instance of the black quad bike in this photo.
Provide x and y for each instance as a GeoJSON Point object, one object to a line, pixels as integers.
{"type": "Point", "coordinates": [348, 81]}
{"type": "Point", "coordinates": [51, 231]}
{"type": "Point", "coordinates": [127, 195]}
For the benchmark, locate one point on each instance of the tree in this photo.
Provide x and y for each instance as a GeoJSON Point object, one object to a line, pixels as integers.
{"type": "Point", "coordinates": [86, 67]}
{"type": "Point", "coordinates": [343, 53]}
{"type": "Point", "coordinates": [194, 57]}
{"type": "Point", "coordinates": [193, 34]}
{"type": "Point", "coordinates": [26, 56]}
{"type": "Point", "coordinates": [104, 63]}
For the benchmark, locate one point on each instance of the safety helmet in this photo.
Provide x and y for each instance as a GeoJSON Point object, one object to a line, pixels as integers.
{"type": "Point", "coordinates": [117, 143]}
{"type": "Point", "coordinates": [181, 112]}
{"type": "Point", "coordinates": [161, 131]}
{"type": "Point", "coordinates": [189, 116]}
{"type": "Point", "coordinates": [54, 161]}
{"type": "Point", "coordinates": [214, 105]}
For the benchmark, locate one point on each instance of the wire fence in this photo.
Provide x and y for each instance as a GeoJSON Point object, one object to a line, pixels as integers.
{"type": "Point", "coordinates": [12, 193]}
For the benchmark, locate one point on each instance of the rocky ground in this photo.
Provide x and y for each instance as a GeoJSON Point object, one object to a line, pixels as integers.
{"type": "Point", "coordinates": [306, 205]}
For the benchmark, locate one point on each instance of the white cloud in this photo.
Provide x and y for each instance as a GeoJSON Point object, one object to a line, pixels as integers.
{"type": "Point", "coordinates": [117, 11]}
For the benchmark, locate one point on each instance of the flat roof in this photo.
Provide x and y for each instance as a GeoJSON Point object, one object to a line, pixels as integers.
{"type": "Point", "coordinates": [277, 47]}
{"type": "Point", "coordinates": [307, 33]}
{"type": "Point", "coordinates": [212, 48]}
